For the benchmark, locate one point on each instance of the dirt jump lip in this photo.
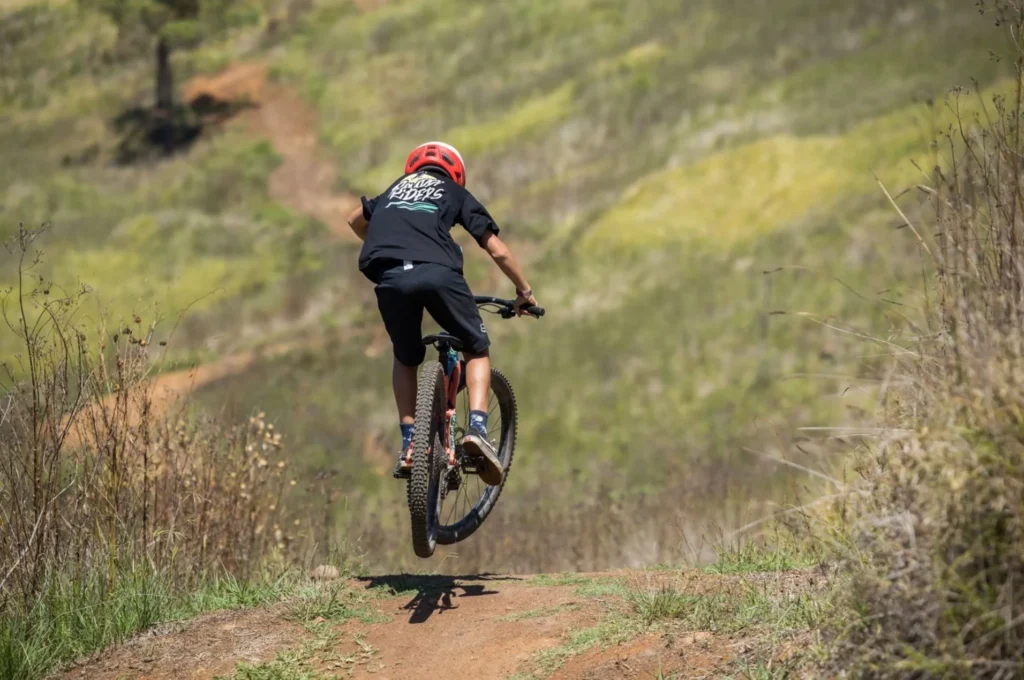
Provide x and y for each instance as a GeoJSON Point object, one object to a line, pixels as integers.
{"type": "Point", "coordinates": [487, 625]}
{"type": "Point", "coordinates": [434, 593]}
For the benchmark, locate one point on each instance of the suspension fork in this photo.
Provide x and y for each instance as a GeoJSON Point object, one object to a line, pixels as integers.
{"type": "Point", "coordinates": [453, 367]}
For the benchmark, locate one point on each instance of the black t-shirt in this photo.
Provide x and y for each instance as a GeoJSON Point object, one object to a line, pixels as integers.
{"type": "Point", "coordinates": [413, 220]}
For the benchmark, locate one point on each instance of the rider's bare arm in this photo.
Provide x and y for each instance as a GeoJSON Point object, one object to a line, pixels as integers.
{"type": "Point", "coordinates": [507, 263]}
{"type": "Point", "coordinates": [358, 223]}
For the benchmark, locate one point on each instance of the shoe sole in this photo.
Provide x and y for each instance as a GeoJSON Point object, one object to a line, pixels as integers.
{"type": "Point", "coordinates": [492, 473]}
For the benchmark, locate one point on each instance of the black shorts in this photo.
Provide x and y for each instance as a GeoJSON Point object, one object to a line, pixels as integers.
{"type": "Point", "coordinates": [403, 294]}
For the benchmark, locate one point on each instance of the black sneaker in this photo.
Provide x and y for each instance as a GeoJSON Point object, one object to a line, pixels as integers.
{"type": "Point", "coordinates": [476, 445]}
{"type": "Point", "coordinates": [403, 468]}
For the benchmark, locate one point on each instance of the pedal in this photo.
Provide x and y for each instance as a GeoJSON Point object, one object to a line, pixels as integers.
{"type": "Point", "coordinates": [401, 472]}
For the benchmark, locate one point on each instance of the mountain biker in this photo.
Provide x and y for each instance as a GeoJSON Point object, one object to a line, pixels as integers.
{"type": "Point", "coordinates": [409, 253]}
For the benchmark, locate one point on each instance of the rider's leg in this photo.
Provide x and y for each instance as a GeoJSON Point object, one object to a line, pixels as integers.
{"type": "Point", "coordinates": [402, 314]}
{"type": "Point", "coordinates": [403, 380]}
{"type": "Point", "coordinates": [478, 380]}
{"type": "Point", "coordinates": [477, 442]}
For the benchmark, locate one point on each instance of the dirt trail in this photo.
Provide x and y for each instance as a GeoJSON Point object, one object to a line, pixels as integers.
{"type": "Point", "coordinates": [305, 179]}
{"type": "Point", "coordinates": [304, 182]}
{"type": "Point", "coordinates": [439, 627]}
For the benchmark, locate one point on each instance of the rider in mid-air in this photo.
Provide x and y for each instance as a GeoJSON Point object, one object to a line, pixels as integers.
{"type": "Point", "coordinates": [409, 253]}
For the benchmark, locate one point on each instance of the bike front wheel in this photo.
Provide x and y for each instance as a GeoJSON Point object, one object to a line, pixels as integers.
{"type": "Point", "coordinates": [466, 500]}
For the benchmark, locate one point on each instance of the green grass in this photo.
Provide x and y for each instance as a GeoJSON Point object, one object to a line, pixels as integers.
{"type": "Point", "coordinates": [748, 558]}
{"type": "Point", "coordinates": [763, 606]}
{"type": "Point", "coordinates": [656, 603]}
{"type": "Point", "coordinates": [541, 613]}
{"type": "Point", "coordinates": [554, 580]}
{"type": "Point", "coordinates": [765, 613]}
{"type": "Point", "coordinates": [194, 234]}
{"type": "Point", "coordinates": [601, 587]}
{"type": "Point", "coordinates": [337, 603]}
{"type": "Point", "coordinates": [783, 180]}
{"type": "Point", "coordinates": [78, 616]}
{"type": "Point", "coordinates": [646, 84]}
{"type": "Point", "coordinates": [196, 231]}
{"type": "Point", "coordinates": [614, 630]}
{"type": "Point", "coordinates": [761, 670]}
{"type": "Point", "coordinates": [759, 609]}
{"type": "Point", "coordinates": [585, 586]}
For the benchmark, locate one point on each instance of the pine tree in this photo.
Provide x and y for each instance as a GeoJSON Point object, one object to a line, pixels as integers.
{"type": "Point", "coordinates": [169, 25]}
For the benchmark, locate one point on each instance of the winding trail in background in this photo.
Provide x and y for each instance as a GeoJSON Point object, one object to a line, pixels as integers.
{"type": "Point", "coordinates": [303, 182]}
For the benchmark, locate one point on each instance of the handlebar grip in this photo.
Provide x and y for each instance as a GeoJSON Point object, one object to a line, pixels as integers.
{"type": "Point", "coordinates": [535, 311]}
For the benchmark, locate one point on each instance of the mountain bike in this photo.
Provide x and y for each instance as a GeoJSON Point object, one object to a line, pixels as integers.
{"type": "Point", "coordinates": [447, 499]}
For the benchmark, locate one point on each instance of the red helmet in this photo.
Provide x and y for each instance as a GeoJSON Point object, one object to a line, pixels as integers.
{"type": "Point", "coordinates": [441, 155]}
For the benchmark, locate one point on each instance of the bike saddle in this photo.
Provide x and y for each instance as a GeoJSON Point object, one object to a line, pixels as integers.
{"type": "Point", "coordinates": [445, 338]}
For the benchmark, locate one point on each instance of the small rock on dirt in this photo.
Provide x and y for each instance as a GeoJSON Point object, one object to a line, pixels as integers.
{"type": "Point", "coordinates": [325, 572]}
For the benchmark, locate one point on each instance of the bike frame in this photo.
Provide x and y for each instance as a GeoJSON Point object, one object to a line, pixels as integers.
{"type": "Point", "coordinates": [453, 367]}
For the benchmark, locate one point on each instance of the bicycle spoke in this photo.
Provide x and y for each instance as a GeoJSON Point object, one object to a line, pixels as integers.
{"type": "Point", "coordinates": [472, 492]}
{"type": "Point", "coordinates": [451, 508]}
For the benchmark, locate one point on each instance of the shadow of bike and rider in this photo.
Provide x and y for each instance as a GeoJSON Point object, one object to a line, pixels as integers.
{"type": "Point", "coordinates": [434, 593]}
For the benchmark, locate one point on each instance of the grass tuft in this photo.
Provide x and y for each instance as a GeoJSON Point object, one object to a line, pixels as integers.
{"type": "Point", "coordinates": [749, 558]}
{"type": "Point", "coordinates": [659, 602]}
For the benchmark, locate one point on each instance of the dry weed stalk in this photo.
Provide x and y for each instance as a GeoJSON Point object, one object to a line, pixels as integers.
{"type": "Point", "coordinates": [938, 523]}
{"type": "Point", "coordinates": [93, 482]}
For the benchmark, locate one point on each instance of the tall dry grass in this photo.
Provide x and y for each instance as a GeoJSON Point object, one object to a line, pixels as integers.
{"type": "Point", "coordinates": [99, 493]}
{"type": "Point", "coordinates": [937, 524]}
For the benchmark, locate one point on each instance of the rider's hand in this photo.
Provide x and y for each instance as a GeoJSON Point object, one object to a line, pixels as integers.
{"type": "Point", "coordinates": [524, 299]}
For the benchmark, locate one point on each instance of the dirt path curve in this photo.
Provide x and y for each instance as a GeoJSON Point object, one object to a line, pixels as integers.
{"type": "Point", "coordinates": [437, 628]}
{"type": "Point", "coordinates": [305, 179]}
{"type": "Point", "coordinates": [304, 182]}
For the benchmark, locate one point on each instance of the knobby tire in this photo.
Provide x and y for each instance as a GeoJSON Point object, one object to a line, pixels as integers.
{"type": "Point", "coordinates": [428, 457]}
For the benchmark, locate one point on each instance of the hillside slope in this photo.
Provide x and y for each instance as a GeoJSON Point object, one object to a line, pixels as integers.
{"type": "Point", "coordinates": [651, 160]}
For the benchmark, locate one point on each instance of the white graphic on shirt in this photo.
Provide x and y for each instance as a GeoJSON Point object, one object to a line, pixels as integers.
{"type": "Point", "coordinates": [414, 193]}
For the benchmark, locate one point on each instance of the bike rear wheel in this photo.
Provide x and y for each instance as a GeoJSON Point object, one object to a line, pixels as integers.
{"type": "Point", "coordinates": [428, 461]}
{"type": "Point", "coordinates": [465, 501]}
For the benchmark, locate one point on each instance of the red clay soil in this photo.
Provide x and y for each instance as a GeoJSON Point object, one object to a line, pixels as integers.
{"type": "Point", "coordinates": [476, 629]}
{"type": "Point", "coordinates": [204, 648]}
{"type": "Point", "coordinates": [467, 628]}
{"type": "Point", "coordinates": [693, 655]}
{"type": "Point", "coordinates": [443, 627]}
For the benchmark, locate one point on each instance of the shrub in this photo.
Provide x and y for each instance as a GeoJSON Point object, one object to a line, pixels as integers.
{"type": "Point", "coordinates": [106, 503]}
{"type": "Point", "coordinates": [938, 522]}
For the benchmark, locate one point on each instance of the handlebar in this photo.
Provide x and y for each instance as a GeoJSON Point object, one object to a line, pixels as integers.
{"type": "Point", "coordinates": [507, 308]}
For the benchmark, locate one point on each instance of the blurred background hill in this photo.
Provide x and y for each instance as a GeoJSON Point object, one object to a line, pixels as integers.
{"type": "Point", "coordinates": [675, 174]}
